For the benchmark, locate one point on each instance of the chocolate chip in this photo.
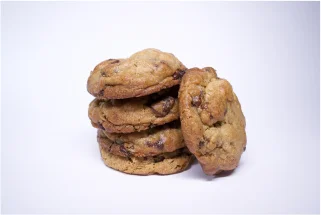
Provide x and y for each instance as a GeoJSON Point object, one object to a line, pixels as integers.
{"type": "Point", "coordinates": [159, 159]}
{"type": "Point", "coordinates": [101, 93]}
{"type": "Point", "coordinates": [103, 74]}
{"type": "Point", "coordinates": [201, 144]}
{"type": "Point", "coordinates": [244, 148]}
{"type": "Point", "coordinates": [100, 126]}
{"type": "Point", "coordinates": [119, 141]}
{"type": "Point", "coordinates": [196, 101]}
{"type": "Point", "coordinates": [158, 144]}
{"type": "Point", "coordinates": [163, 107]}
{"type": "Point", "coordinates": [168, 104]}
{"type": "Point", "coordinates": [124, 151]}
{"type": "Point", "coordinates": [115, 61]}
{"type": "Point", "coordinates": [218, 124]}
{"type": "Point", "coordinates": [178, 74]}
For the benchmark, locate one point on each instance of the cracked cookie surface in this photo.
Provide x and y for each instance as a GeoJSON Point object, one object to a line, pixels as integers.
{"type": "Point", "coordinates": [143, 73]}
{"type": "Point", "coordinates": [163, 164]}
{"type": "Point", "coordinates": [135, 114]}
{"type": "Point", "coordinates": [151, 142]}
{"type": "Point", "coordinates": [212, 121]}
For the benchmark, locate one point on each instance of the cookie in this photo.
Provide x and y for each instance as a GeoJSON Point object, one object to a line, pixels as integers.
{"type": "Point", "coordinates": [134, 114]}
{"type": "Point", "coordinates": [154, 141]}
{"type": "Point", "coordinates": [164, 164]}
{"type": "Point", "coordinates": [141, 74]}
{"type": "Point", "coordinates": [212, 121]}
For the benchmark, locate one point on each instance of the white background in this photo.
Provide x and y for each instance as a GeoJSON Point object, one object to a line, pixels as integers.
{"type": "Point", "coordinates": [50, 162]}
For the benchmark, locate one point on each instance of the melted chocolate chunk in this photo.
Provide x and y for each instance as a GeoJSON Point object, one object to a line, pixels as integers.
{"type": "Point", "coordinates": [178, 74]}
{"type": "Point", "coordinates": [163, 107]}
{"type": "Point", "coordinates": [168, 104]}
{"type": "Point", "coordinates": [124, 151]}
{"type": "Point", "coordinates": [196, 101]}
{"type": "Point", "coordinates": [159, 144]}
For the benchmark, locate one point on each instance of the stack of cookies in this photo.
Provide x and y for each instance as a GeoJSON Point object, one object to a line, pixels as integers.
{"type": "Point", "coordinates": [136, 113]}
{"type": "Point", "coordinates": [154, 115]}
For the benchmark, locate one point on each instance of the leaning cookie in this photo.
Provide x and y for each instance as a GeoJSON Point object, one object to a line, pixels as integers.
{"type": "Point", "coordinates": [163, 164]}
{"type": "Point", "coordinates": [212, 121]}
{"type": "Point", "coordinates": [151, 142]}
{"type": "Point", "coordinates": [143, 73]}
{"type": "Point", "coordinates": [134, 114]}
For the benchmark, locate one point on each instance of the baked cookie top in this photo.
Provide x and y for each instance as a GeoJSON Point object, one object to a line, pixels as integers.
{"type": "Point", "coordinates": [143, 73]}
{"type": "Point", "coordinates": [154, 141]}
{"type": "Point", "coordinates": [135, 114]}
{"type": "Point", "coordinates": [212, 121]}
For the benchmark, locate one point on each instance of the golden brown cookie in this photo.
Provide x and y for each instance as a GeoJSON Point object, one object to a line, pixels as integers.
{"type": "Point", "coordinates": [151, 142]}
{"type": "Point", "coordinates": [141, 74]}
{"type": "Point", "coordinates": [212, 121]}
{"type": "Point", "coordinates": [135, 114]}
{"type": "Point", "coordinates": [163, 164]}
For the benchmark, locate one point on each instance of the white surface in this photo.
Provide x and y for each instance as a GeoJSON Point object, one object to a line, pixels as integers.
{"type": "Point", "coordinates": [50, 158]}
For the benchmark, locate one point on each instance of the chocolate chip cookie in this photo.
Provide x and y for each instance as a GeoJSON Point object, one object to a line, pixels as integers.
{"type": "Point", "coordinates": [135, 114]}
{"type": "Point", "coordinates": [151, 142]}
{"type": "Point", "coordinates": [163, 164]}
{"type": "Point", "coordinates": [212, 121]}
{"type": "Point", "coordinates": [143, 73]}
